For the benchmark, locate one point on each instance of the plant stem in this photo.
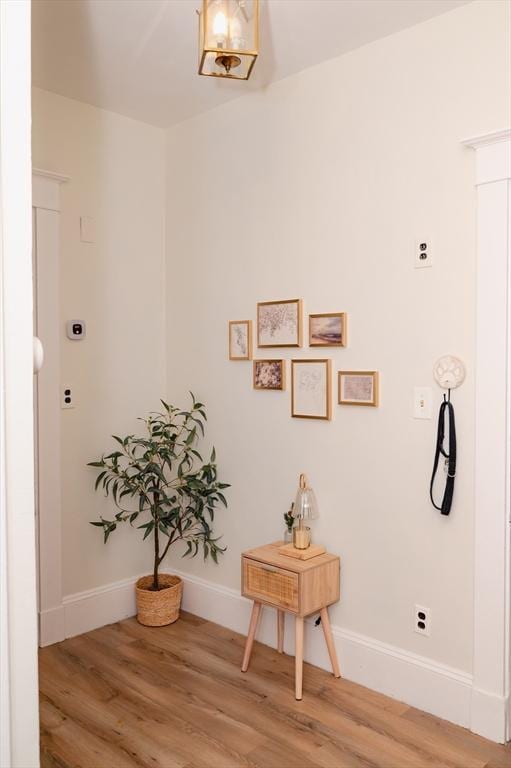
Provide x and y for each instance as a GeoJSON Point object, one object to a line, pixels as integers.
{"type": "Point", "coordinates": [156, 584]}
{"type": "Point", "coordinates": [169, 542]}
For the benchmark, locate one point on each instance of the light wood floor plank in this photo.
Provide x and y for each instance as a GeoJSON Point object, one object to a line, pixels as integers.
{"type": "Point", "coordinates": [128, 696]}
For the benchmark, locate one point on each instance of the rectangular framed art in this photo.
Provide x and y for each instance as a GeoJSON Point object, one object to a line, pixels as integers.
{"type": "Point", "coordinates": [269, 374]}
{"type": "Point", "coordinates": [359, 388]}
{"type": "Point", "coordinates": [311, 389]}
{"type": "Point", "coordinates": [328, 330]}
{"type": "Point", "coordinates": [240, 340]}
{"type": "Point", "coordinates": [279, 323]}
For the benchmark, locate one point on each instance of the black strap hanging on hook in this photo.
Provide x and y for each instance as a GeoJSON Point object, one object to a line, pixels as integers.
{"type": "Point", "coordinates": [450, 457]}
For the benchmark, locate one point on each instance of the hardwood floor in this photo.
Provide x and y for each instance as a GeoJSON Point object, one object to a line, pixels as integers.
{"type": "Point", "coordinates": [174, 697]}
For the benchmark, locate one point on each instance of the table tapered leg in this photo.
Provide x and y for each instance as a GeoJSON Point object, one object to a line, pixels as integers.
{"type": "Point", "coordinates": [281, 618]}
{"type": "Point", "coordinates": [327, 631]}
{"type": "Point", "coordinates": [256, 610]}
{"type": "Point", "coordinates": [298, 657]}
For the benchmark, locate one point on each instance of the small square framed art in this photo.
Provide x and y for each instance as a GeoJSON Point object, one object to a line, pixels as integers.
{"type": "Point", "coordinates": [328, 330]}
{"type": "Point", "coordinates": [269, 374]}
{"type": "Point", "coordinates": [359, 388]}
{"type": "Point", "coordinates": [279, 323]}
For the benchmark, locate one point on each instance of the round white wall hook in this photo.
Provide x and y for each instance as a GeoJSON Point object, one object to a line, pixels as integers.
{"type": "Point", "coordinates": [449, 372]}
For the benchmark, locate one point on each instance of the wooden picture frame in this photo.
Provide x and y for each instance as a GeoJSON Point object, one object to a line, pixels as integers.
{"type": "Point", "coordinates": [269, 374]}
{"type": "Point", "coordinates": [311, 396]}
{"type": "Point", "coordinates": [328, 329]}
{"type": "Point", "coordinates": [240, 340]}
{"type": "Point", "coordinates": [279, 323]}
{"type": "Point", "coordinates": [357, 391]}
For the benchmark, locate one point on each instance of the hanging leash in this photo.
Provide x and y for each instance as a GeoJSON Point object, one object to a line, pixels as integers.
{"type": "Point", "coordinates": [450, 457]}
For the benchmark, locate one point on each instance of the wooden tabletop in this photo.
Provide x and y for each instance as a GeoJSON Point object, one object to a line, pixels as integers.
{"type": "Point", "coordinates": [270, 555]}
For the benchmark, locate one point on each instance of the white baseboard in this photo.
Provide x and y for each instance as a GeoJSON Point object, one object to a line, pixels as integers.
{"type": "Point", "coordinates": [85, 611]}
{"type": "Point", "coordinates": [52, 626]}
{"type": "Point", "coordinates": [490, 715]}
{"type": "Point", "coordinates": [420, 682]}
{"type": "Point", "coordinates": [413, 679]}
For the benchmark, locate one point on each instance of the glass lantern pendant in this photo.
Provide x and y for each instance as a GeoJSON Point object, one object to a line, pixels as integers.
{"type": "Point", "coordinates": [228, 38]}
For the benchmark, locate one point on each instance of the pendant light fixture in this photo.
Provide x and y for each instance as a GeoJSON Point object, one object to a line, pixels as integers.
{"type": "Point", "coordinates": [228, 38]}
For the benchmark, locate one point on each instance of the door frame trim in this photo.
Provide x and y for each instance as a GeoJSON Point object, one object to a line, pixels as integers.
{"type": "Point", "coordinates": [19, 711]}
{"type": "Point", "coordinates": [490, 708]}
{"type": "Point", "coordinates": [46, 204]}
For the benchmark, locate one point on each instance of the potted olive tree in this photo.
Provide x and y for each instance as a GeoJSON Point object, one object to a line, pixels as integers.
{"type": "Point", "coordinates": [160, 484]}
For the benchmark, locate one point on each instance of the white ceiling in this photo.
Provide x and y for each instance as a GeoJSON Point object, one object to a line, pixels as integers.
{"type": "Point", "coordinates": [139, 57]}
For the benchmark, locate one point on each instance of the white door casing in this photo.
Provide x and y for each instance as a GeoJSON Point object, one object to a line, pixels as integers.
{"type": "Point", "coordinates": [492, 595]}
{"type": "Point", "coordinates": [46, 203]}
{"type": "Point", "coordinates": [19, 714]}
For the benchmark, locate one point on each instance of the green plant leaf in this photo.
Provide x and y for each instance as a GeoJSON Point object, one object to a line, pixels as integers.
{"type": "Point", "coordinates": [188, 549]}
{"type": "Point", "coordinates": [99, 479]}
{"type": "Point", "coordinates": [191, 436]}
{"type": "Point", "coordinates": [162, 474]}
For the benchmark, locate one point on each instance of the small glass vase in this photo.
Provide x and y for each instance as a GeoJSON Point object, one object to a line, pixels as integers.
{"type": "Point", "coordinates": [288, 535]}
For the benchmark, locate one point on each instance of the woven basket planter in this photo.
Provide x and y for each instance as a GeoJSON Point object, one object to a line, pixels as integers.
{"type": "Point", "coordinates": [157, 609]}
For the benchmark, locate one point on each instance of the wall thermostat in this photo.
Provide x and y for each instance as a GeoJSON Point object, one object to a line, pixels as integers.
{"type": "Point", "coordinates": [75, 329]}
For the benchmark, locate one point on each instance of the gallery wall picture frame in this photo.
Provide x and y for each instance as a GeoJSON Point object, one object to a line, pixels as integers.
{"type": "Point", "coordinates": [311, 396]}
{"type": "Point", "coordinates": [359, 388]}
{"type": "Point", "coordinates": [269, 374]}
{"type": "Point", "coordinates": [240, 340]}
{"type": "Point", "coordinates": [279, 323]}
{"type": "Point", "coordinates": [328, 329]}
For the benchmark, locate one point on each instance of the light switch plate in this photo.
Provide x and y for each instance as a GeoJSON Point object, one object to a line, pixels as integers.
{"type": "Point", "coordinates": [422, 397]}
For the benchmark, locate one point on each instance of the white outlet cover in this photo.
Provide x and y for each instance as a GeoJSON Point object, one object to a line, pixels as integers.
{"type": "Point", "coordinates": [427, 630]}
{"type": "Point", "coordinates": [423, 257]}
{"type": "Point", "coordinates": [63, 397]}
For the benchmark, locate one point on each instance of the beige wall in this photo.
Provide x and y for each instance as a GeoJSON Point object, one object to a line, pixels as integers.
{"type": "Point", "coordinates": [116, 285]}
{"type": "Point", "coordinates": [318, 187]}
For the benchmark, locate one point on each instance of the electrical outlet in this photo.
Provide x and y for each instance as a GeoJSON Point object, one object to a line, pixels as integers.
{"type": "Point", "coordinates": [67, 397]}
{"type": "Point", "coordinates": [423, 253]}
{"type": "Point", "coordinates": [422, 620]}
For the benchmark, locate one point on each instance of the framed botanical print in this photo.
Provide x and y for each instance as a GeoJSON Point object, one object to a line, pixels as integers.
{"type": "Point", "coordinates": [279, 323]}
{"type": "Point", "coordinates": [240, 340]}
{"type": "Point", "coordinates": [328, 330]}
{"type": "Point", "coordinates": [311, 389]}
{"type": "Point", "coordinates": [359, 388]}
{"type": "Point", "coordinates": [269, 374]}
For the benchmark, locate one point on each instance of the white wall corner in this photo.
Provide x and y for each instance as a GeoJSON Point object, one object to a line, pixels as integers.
{"type": "Point", "coordinates": [52, 626]}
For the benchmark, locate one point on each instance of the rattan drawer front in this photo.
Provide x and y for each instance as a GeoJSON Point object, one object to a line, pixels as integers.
{"type": "Point", "coordinates": [272, 585]}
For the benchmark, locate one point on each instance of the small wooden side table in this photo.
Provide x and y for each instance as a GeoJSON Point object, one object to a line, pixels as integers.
{"type": "Point", "coordinates": [300, 587]}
